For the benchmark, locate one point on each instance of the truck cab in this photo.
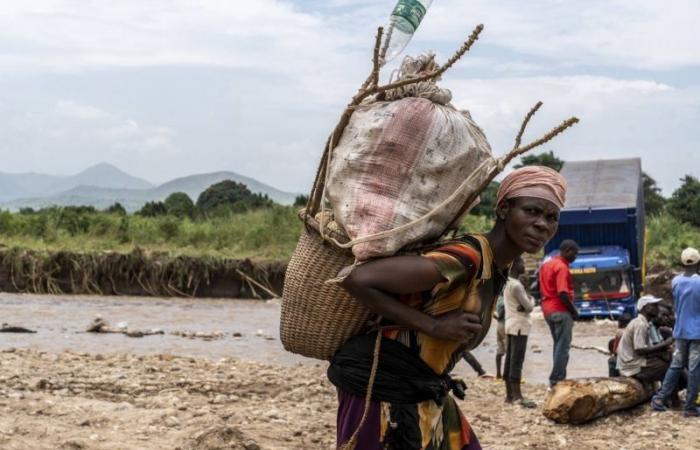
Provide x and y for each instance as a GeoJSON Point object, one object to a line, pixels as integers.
{"type": "Point", "coordinates": [604, 282]}
{"type": "Point", "coordinates": [604, 214]}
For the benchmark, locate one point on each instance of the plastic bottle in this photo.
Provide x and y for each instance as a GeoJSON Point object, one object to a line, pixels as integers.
{"type": "Point", "coordinates": [403, 22]}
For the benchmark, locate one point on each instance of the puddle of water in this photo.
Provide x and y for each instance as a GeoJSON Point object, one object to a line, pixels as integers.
{"type": "Point", "coordinates": [60, 322]}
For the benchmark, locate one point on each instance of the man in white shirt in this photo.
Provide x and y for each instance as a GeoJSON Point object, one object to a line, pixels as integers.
{"type": "Point", "coordinates": [636, 355]}
{"type": "Point", "coordinates": [518, 306]}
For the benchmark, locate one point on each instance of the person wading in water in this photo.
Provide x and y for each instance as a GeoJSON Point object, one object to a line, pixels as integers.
{"type": "Point", "coordinates": [425, 329]}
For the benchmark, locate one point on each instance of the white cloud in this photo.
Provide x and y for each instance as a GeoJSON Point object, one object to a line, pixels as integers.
{"type": "Point", "coordinates": [619, 118]}
{"type": "Point", "coordinates": [642, 34]}
{"type": "Point", "coordinates": [74, 110]}
{"type": "Point", "coordinates": [256, 86]}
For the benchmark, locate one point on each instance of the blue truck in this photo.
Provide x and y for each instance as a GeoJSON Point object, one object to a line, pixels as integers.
{"type": "Point", "coordinates": [604, 214]}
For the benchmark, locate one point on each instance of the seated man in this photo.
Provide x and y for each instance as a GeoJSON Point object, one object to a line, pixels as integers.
{"type": "Point", "coordinates": [636, 355]}
{"type": "Point", "coordinates": [614, 343]}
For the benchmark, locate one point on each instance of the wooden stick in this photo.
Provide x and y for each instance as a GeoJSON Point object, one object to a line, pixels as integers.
{"type": "Point", "coordinates": [435, 74]}
{"type": "Point", "coordinates": [252, 281]}
{"type": "Point", "coordinates": [529, 115]}
{"type": "Point", "coordinates": [516, 152]}
{"type": "Point", "coordinates": [543, 140]}
{"type": "Point", "coordinates": [590, 347]}
{"type": "Point", "coordinates": [375, 58]}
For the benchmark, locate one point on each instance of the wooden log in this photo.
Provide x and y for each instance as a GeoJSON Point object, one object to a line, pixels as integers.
{"type": "Point", "coordinates": [582, 400]}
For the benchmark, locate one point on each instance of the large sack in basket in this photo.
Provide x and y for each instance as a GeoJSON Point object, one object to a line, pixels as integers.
{"type": "Point", "coordinates": [399, 160]}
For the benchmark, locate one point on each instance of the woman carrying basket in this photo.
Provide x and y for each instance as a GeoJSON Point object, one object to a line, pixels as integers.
{"type": "Point", "coordinates": [433, 308]}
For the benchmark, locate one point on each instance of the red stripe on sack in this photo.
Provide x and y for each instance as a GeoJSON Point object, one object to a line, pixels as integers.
{"type": "Point", "coordinates": [388, 168]}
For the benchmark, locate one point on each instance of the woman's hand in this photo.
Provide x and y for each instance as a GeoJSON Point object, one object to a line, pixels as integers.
{"type": "Point", "coordinates": [455, 326]}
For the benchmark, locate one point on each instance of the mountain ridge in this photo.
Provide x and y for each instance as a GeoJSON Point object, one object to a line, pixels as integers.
{"type": "Point", "coordinates": [132, 196]}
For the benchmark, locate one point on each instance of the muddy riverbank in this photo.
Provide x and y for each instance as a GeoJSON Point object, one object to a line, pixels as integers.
{"type": "Point", "coordinates": [63, 388]}
{"type": "Point", "coordinates": [153, 274]}
{"type": "Point", "coordinates": [138, 273]}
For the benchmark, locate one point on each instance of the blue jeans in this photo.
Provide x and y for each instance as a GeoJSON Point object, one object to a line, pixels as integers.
{"type": "Point", "coordinates": [686, 352]}
{"type": "Point", "coordinates": [561, 325]}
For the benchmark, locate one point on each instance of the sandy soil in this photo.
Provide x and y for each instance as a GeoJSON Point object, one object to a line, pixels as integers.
{"type": "Point", "coordinates": [74, 401]}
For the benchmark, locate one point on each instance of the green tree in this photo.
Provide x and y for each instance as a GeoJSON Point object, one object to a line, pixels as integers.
{"type": "Point", "coordinates": [684, 203]}
{"type": "Point", "coordinates": [152, 209]}
{"type": "Point", "coordinates": [653, 200]}
{"type": "Point", "coordinates": [548, 159]}
{"type": "Point", "coordinates": [487, 201]}
{"type": "Point", "coordinates": [179, 204]}
{"type": "Point", "coordinates": [232, 196]}
{"type": "Point", "coordinates": [123, 230]}
{"type": "Point", "coordinates": [300, 200]}
{"type": "Point", "coordinates": [116, 208]}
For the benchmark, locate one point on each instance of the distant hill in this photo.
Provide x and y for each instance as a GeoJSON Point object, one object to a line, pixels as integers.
{"type": "Point", "coordinates": [15, 186]}
{"type": "Point", "coordinates": [91, 189]}
{"type": "Point", "coordinates": [193, 185]}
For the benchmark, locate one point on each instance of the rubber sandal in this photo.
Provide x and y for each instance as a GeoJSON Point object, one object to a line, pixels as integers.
{"type": "Point", "coordinates": [691, 413]}
{"type": "Point", "coordinates": [657, 404]}
{"type": "Point", "coordinates": [527, 403]}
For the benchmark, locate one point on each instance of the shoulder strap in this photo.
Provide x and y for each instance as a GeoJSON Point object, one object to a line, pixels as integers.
{"type": "Point", "coordinates": [486, 257]}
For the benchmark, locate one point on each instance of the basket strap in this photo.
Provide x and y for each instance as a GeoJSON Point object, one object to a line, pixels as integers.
{"type": "Point", "coordinates": [352, 442]}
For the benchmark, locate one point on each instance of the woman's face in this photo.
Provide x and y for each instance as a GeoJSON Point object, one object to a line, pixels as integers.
{"type": "Point", "coordinates": [529, 222]}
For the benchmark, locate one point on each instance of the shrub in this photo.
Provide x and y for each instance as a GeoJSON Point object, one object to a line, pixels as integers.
{"type": "Point", "coordinates": [666, 238]}
{"type": "Point", "coordinates": [169, 227]}
{"type": "Point", "coordinates": [152, 209]}
{"type": "Point", "coordinates": [231, 195]}
{"type": "Point", "coordinates": [179, 204]}
{"type": "Point", "coordinates": [116, 208]}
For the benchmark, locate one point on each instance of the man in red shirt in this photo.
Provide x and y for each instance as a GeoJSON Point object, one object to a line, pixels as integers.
{"type": "Point", "coordinates": [557, 293]}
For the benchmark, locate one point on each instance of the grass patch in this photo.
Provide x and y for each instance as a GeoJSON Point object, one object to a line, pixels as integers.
{"type": "Point", "coordinates": [266, 233]}
{"type": "Point", "coordinates": [666, 239]}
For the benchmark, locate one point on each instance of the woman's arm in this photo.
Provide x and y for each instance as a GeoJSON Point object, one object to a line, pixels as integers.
{"type": "Point", "coordinates": [378, 283]}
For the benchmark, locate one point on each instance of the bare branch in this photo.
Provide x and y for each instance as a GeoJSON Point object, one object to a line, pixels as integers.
{"type": "Point", "coordinates": [526, 120]}
{"type": "Point", "coordinates": [435, 74]}
{"type": "Point", "coordinates": [463, 49]}
{"type": "Point", "coordinates": [544, 139]}
{"type": "Point", "coordinates": [375, 59]}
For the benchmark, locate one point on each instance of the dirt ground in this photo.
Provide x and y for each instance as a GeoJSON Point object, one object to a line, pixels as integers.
{"type": "Point", "coordinates": [73, 401]}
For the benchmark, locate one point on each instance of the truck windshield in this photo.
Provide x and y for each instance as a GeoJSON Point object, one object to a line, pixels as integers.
{"type": "Point", "coordinates": [590, 284]}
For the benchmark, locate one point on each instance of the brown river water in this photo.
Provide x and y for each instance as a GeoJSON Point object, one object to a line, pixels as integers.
{"type": "Point", "coordinates": [60, 322]}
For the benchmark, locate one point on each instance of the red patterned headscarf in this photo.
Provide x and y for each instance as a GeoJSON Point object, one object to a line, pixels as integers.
{"type": "Point", "coordinates": [533, 181]}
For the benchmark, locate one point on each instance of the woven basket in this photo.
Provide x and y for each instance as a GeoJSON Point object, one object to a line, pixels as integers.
{"type": "Point", "coordinates": [318, 317]}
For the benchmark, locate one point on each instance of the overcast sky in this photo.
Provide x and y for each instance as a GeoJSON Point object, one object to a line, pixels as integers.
{"type": "Point", "coordinates": [167, 88]}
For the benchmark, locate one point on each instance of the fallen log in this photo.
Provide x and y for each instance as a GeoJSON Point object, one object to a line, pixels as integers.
{"type": "Point", "coordinates": [582, 400]}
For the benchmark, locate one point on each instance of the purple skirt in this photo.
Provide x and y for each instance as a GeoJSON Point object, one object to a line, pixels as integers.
{"type": "Point", "coordinates": [350, 410]}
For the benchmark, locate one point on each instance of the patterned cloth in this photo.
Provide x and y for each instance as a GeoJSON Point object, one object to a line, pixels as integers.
{"type": "Point", "coordinates": [435, 427]}
{"type": "Point", "coordinates": [533, 181]}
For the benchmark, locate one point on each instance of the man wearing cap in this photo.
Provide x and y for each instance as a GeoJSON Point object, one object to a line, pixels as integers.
{"type": "Point", "coordinates": [557, 293]}
{"type": "Point", "coordinates": [636, 355]}
{"type": "Point", "coordinates": [686, 332]}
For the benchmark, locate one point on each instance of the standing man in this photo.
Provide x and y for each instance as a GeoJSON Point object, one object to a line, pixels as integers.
{"type": "Point", "coordinates": [686, 332]}
{"type": "Point", "coordinates": [518, 308]}
{"type": "Point", "coordinates": [557, 293]}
